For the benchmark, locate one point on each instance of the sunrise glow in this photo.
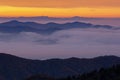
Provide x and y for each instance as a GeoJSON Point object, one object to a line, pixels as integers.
{"type": "Point", "coordinates": [8, 11]}
{"type": "Point", "coordinates": [60, 8]}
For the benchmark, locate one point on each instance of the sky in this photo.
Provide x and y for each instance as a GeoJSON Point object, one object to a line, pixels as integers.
{"type": "Point", "coordinates": [60, 8]}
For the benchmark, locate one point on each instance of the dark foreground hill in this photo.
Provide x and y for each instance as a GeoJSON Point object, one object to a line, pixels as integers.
{"type": "Point", "coordinates": [112, 73]}
{"type": "Point", "coordinates": [16, 68]}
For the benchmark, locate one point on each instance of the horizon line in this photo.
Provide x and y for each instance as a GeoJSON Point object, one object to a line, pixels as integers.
{"type": "Point", "coordinates": [60, 58]}
{"type": "Point", "coordinates": [59, 17]}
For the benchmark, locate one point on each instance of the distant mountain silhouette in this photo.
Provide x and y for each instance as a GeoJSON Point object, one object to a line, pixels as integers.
{"type": "Point", "coordinates": [46, 19]}
{"type": "Point", "coordinates": [16, 27]}
{"type": "Point", "coordinates": [16, 68]}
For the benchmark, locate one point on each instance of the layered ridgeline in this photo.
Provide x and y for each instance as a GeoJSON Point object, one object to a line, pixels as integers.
{"type": "Point", "coordinates": [16, 68]}
{"type": "Point", "coordinates": [46, 19]}
{"type": "Point", "coordinates": [17, 27]}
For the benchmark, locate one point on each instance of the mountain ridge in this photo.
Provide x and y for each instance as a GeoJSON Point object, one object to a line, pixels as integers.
{"type": "Point", "coordinates": [70, 58]}
{"type": "Point", "coordinates": [22, 68]}
{"type": "Point", "coordinates": [47, 19]}
{"type": "Point", "coordinates": [15, 26]}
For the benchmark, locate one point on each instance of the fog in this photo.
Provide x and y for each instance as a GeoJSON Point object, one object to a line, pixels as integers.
{"type": "Point", "coordinates": [62, 44]}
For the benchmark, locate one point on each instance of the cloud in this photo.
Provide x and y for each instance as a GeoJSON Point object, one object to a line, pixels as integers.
{"type": "Point", "coordinates": [61, 44]}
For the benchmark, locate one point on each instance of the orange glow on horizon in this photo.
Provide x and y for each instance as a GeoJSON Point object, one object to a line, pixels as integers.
{"type": "Point", "coordinates": [61, 3]}
{"type": "Point", "coordinates": [8, 11]}
{"type": "Point", "coordinates": [60, 8]}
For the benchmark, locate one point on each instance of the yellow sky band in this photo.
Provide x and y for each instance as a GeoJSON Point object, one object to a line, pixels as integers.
{"type": "Point", "coordinates": [8, 11]}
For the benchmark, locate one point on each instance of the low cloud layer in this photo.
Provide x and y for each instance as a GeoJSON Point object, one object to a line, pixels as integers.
{"type": "Point", "coordinates": [62, 44]}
